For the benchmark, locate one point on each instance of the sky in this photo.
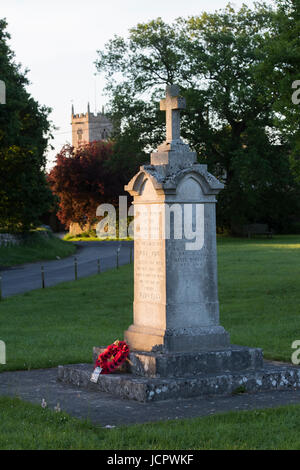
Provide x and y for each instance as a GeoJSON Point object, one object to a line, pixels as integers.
{"type": "Point", "coordinates": [57, 41]}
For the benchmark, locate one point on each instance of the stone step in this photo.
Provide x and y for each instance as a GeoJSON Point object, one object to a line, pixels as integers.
{"type": "Point", "coordinates": [146, 389]}
{"type": "Point", "coordinates": [187, 364]}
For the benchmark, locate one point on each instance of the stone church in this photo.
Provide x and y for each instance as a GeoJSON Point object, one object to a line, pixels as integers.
{"type": "Point", "coordinates": [88, 127]}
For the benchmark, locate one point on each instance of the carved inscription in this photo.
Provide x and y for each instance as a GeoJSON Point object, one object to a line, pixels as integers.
{"type": "Point", "coordinates": [181, 259]}
{"type": "Point", "coordinates": [149, 279]}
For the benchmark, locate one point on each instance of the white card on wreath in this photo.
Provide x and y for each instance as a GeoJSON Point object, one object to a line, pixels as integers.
{"type": "Point", "coordinates": [95, 375]}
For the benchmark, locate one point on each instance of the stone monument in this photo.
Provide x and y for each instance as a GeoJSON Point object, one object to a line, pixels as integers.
{"type": "Point", "coordinates": [176, 304]}
{"type": "Point", "coordinates": [178, 347]}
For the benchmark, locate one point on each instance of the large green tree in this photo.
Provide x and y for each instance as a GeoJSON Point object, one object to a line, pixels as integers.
{"type": "Point", "coordinates": [281, 67]}
{"type": "Point", "coordinates": [281, 72]}
{"type": "Point", "coordinates": [24, 134]}
{"type": "Point", "coordinates": [230, 116]}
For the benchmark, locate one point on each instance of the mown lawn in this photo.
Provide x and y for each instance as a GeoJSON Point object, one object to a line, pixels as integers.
{"type": "Point", "coordinates": [259, 288]}
{"type": "Point", "coordinates": [61, 324]}
{"type": "Point", "coordinates": [36, 248]}
{"type": "Point", "coordinates": [27, 426]}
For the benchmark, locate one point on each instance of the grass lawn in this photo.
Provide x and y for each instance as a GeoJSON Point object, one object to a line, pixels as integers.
{"type": "Point", "coordinates": [259, 293]}
{"type": "Point", "coordinates": [259, 287]}
{"type": "Point", "coordinates": [90, 238]}
{"type": "Point", "coordinates": [36, 248]}
{"type": "Point", "coordinates": [39, 428]}
{"type": "Point", "coordinates": [61, 324]}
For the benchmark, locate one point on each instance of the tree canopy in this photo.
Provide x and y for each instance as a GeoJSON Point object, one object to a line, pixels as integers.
{"type": "Point", "coordinates": [86, 177]}
{"type": "Point", "coordinates": [281, 73]}
{"type": "Point", "coordinates": [231, 118]}
{"type": "Point", "coordinates": [24, 135]}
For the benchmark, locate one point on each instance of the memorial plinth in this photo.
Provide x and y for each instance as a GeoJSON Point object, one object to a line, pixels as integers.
{"type": "Point", "coordinates": [176, 304]}
{"type": "Point", "coordinates": [178, 347]}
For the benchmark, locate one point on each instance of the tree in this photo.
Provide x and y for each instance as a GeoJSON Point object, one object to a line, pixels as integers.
{"type": "Point", "coordinates": [230, 115]}
{"type": "Point", "coordinates": [281, 70]}
{"type": "Point", "coordinates": [24, 135]}
{"type": "Point", "coordinates": [86, 177]}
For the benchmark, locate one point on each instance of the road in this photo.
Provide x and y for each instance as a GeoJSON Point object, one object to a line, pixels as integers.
{"type": "Point", "coordinates": [27, 277]}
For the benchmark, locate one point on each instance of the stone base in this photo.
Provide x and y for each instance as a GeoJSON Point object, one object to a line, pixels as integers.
{"type": "Point", "coordinates": [190, 364]}
{"type": "Point", "coordinates": [149, 376]}
{"type": "Point", "coordinates": [145, 389]}
{"type": "Point", "coordinates": [142, 338]}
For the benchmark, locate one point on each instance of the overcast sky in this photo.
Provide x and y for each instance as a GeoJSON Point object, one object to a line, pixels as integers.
{"type": "Point", "coordinates": [57, 41]}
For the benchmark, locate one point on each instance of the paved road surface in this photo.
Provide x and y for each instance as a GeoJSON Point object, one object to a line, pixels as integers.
{"type": "Point", "coordinates": [20, 279]}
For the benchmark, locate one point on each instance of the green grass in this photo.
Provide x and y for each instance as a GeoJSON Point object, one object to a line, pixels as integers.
{"type": "Point", "coordinates": [36, 248]}
{"type": "Point", "coordinates": [61, 324]}
{"type": "Point", "coordinates": [27, 426]}
{"type": "Point", "coordinates": [87, 237]}
{"type": "Point", "coordinates": [259, 289]}
{"type": "Point", "coordinates": [79, 238]}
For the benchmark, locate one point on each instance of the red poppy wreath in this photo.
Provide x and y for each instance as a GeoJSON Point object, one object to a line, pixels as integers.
{"type": "Point", "coordinates": [113, 357]}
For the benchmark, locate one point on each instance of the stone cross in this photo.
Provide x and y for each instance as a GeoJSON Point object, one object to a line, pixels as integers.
{"type": "Point", "coordinates": [172, 104]}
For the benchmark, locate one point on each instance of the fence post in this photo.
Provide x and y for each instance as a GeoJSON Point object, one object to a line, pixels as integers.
{"type": "Point", "coordinates": [118, 251]}
{"type": "Point", "coordinates": [75, 268]}
{"type": "Point", "coordinates": [43, 277]}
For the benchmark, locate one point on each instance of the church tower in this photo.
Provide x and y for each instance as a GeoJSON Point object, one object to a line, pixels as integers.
{"type": "Point", "coordinates": [87, 127]}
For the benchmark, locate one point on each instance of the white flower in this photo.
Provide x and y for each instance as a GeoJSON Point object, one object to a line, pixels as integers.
{"type": "Point", "coordinates": [44, 403]}
{"type": "Point", "coordinates": [57, 408]}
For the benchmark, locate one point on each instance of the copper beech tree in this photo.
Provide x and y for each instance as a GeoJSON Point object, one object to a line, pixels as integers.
{"type": "Point", "coordinates": [86, 177]}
